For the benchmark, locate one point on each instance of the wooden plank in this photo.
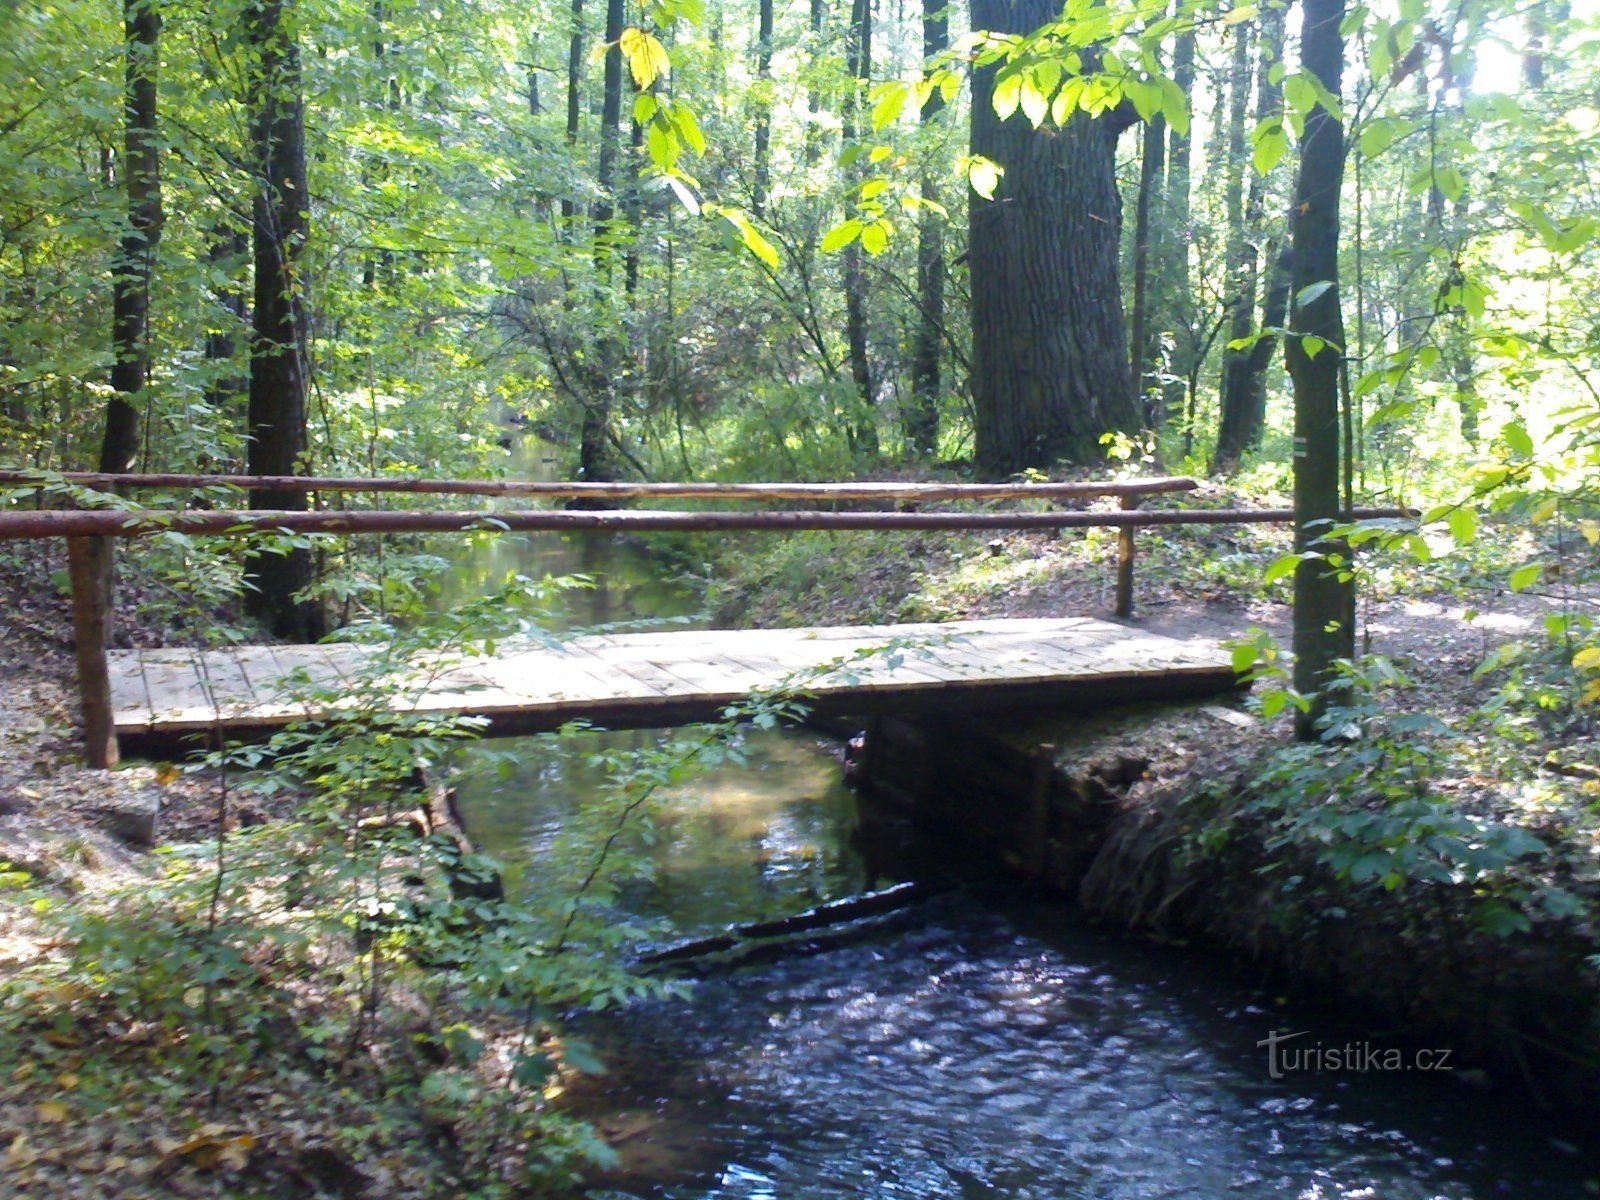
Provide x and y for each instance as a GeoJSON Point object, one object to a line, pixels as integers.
{"type": "Point", "coordinates": [664, 676]}
{"type": "Point", "coordinates": [130, 698]}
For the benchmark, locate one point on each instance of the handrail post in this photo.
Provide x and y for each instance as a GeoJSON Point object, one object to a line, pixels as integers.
{"type": "Point", "coordinates": [90, 561]}
{"type": "Point", "coordinates": [1125, 561]}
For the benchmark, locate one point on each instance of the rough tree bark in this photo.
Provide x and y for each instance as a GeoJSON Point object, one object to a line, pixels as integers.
{"type": "Point", "coordinates": [1049, 346]}
{"type": "Point", "coordinates": [132, 269]}
{"type": "Point", "coordinates": [276, 421]}
{"type": "Point", "coordinates": [1324, 592]}
{"type": "Point", "coordinates": [922, 416]}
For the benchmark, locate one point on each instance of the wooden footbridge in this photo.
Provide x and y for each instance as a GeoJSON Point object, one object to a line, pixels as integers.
{"type": "Point", "coordinates": [631, 679]}
{"type": "Point", "coordinates": [160, 698]}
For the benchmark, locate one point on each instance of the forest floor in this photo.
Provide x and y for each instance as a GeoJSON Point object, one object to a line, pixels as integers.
{"type": "Point", "coordinates": [1516, 751]}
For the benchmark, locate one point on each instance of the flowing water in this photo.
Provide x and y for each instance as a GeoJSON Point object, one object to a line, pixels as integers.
{"type": "Point", "coordinates": [985, 1047]}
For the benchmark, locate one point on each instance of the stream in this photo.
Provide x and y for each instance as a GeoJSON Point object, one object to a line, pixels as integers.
{"type": "Point", "coordinates": [988, 1046]}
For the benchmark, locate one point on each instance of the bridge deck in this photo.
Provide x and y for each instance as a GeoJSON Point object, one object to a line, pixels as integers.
{"type": "Point", "coordinates": [668, 678]}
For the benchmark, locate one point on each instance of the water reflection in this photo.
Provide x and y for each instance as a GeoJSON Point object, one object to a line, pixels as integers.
{"type": "Point", "coordinates": [767, 837]}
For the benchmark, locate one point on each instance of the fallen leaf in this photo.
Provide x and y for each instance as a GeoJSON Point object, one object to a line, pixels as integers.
{"type": "Point", "coordinates": [20, 1154]}
{"type": "Point", "coordinates": [53, 1112]}
{"type": "Point", "coordinates": [66, 1081]}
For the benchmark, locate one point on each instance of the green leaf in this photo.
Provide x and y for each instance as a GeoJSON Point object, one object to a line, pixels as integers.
{"type": "Point", "coordinates": [984, 175]}
{"type": "Point", "coordinates": [1270, 143]}
{"type": "Point", "coordinates": [1035, 104]}
{"type": "Point", "coordinates": [1283, 567]}
{"type": "Point", "coordinates": [1463, 524]}
{"type": "Point", "coordinates": [685, 196]}
{"type": "Point", "coordinates": [841, 235]}
{"type": "Point", "coordinates": [1007, 94]}
{"type": "Point", "coordinates": [1308, 294]}
{"type": "Point", "coordinates": [1525, 577]}
{"type": "Point", "coordinates": [647, 57]}
{"type": "Point", "coordinates": [1517, 439]}
{"type": "Point", "coordinates": [890, 104]}
{"type": "Point", "coordinates": [1312, 344]}
{"type": "Point", "coordinates": [1300, 93]}
{"type": "Point", "coordinates": [1245, 12]}
{"type": "Point", "coordinates": [1379, 136]}
{"type": "Point", "coordinates": [1450, 182]}
{"type": "Point", "coordinates": [875, 237]}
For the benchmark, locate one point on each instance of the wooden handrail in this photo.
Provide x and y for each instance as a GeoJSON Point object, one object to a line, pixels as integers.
{"type": "Point", "coordinates": [16, 526]}
{"type": "Point", "coordinates": [91, 552]}
{"type": "Point", "coordinates": [897, 492]}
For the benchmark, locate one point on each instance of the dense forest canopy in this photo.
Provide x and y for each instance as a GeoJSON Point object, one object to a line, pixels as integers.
{"type": "Point", "coordinates": [733, 243]}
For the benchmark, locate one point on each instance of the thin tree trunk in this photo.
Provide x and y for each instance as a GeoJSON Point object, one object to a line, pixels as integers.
{"type": "Point", "coordinates": [1324, 592]}
{"type": "Point", "coordinates": [569, 206]}
{"type": "Point", "coordinates": [922, 420]}
{"type": "Point", "coordinates": [278, 352]}
{"type": "Point", "coordinates": [135, 260]}
{"type": "Point", "coordinates": [228, 255]}
{"type": "Point", "coordinates": [763, 183]}
{"type": "Point", "coordinates": [863, 429]}
{"type": "Point", "coordinates": [1240, 257]}
{"type": "Point", "coordinates": [819, 18]}
{"type": "Point", "coordinates": [1244, 397]}
{"type": "Point", "coordinates": [594, 448]}
{"type": "Point", "coordinates": [1179, 239]}
{"type": "Point", "coordinates": [1152, 160]}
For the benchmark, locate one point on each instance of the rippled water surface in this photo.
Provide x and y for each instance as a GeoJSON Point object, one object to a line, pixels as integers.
{"type": "Point", "coordinates": [1004, 1051]}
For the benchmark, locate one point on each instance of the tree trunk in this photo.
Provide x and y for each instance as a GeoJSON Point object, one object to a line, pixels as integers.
{"type": "Point", "coordinates": [1152, 162]}
{"type": "Point", "coordinates": [863, 428]}
{"type": "Point", "coordinates": [1049, 346]}
{"type": "Point", "coordinates": [819, 17]}
{"type": "Point", "coordinates": [1175, 245]}
{"type": "Point", "coordinates": [1324, 592]}
{"type": "Point", "coordinates": [569, 206]}
{"type": "Point", "coordinates": [922, 418]}
{"type": "Point", "coordinates": [136, 251]}
{"type": "Point", "coordinates": [227, 257]}
{"type": "Point", "coordinates": [1243, 394]}
{"type": "Point", "coordinates": [763, 183]}
{"type": "Point", "coordinates": [276, 422]}
{"type": "Point", "coordinates": [594, 445]}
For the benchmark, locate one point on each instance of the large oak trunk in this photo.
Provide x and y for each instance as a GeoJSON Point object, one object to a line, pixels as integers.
{"type": "Point", "coordinates": [1050, 352]}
